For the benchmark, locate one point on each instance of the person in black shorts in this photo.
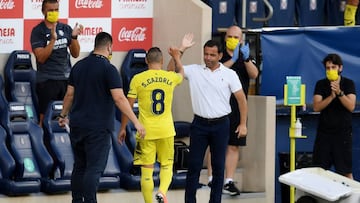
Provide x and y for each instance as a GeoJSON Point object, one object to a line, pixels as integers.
{"type": "Point", "coordinates": [237, 57]}
{"type": "Point", "coordinates": [50, 40]}
{"type": "Point", "coordinates": [335, 98]}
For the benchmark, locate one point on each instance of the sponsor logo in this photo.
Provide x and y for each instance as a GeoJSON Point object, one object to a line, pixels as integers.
{"type": "Point", "coordinates": [11, 9]}
{"type": "Point", "coordinates": [36, 4]}
{"type": "Point", "coordinates": [91, 31]}
{"type": "Point", "coordinates": [135, 35]}
{"type": "Point", "coordinates": [89, 8]}
{"type": "Point", "coordinates": [89, 4]}
{"type": "Point", "coordinates": [132, 32]}
{"type": "Point", "coordinates": [7, 32]}
{"type": "Point", "coordinates": [7, 35]}
{"type": "Point", "coordinates": [23, 56]}
{"type": "Point", "coordinates": [7, 4]}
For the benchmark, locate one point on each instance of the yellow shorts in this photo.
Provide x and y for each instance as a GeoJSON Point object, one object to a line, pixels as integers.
{"type": "Point", "coordinates": [147, 151]}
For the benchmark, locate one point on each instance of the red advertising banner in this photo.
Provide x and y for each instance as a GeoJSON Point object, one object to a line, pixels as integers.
{"type": "Point", "coordinates": [129, 22]}
{"type": "Point", "coordinates": [11, 9]}
{"type": "Point", "coordinates": [132, 33]}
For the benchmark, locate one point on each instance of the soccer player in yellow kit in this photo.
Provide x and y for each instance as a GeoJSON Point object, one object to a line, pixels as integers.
{"type": "Point", "coordinates": [154, 89]}
{"type": "Point", "coordinates": [350, 12]}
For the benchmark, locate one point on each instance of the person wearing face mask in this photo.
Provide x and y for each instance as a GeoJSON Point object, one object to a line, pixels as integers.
{"type": "Point", "coordinates": [335, 98]}
{"type": "Point", "coordinates": [50, 41]}
{"type": "Point", "coordinates": [93, 91]}
{"type": "Point", "coordinates": [237, 57]}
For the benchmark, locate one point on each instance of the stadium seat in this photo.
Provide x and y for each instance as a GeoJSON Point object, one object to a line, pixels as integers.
{"type": "Point", "coordinates": [310, 12]}
{"type": "Point", "coordinates": [134, 63]}
{"type": "Point", "coordinates": [25, 138]}
{"type": "Point", "coordinates": [130, 174]}
{"type": "Point", "coordinates": [58, 143]}
{"type": "Point", "coordinates": [3, 104]}
{"type": "Point", "coordinates": [254, 9]}
{"type": "Point", "coordinates": [182, 129]}
{"type": "Point", "coordinates": [7, 165]}
{"type": "Point", "coordinates": [20, 82]}
{"type": "Point", "coordinates": [335, 12]}
{"type": "Point", "coordinates": [223, 14]}
{"type": "Point", "coordinates": [111, 176]}
{"type": "Point", "coordinates": [283, 13]}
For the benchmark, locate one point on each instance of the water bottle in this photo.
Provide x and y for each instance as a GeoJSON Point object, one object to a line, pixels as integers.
{"type": "Point", "coordinates": [298, 128]}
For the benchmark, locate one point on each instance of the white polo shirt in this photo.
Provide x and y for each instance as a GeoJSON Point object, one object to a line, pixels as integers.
{"type": "Point", "coordinates": [211, 90]}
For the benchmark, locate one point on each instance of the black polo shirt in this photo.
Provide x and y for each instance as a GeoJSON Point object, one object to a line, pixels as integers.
{"type": "Point", "coordinates": [93, 107]}
{"type": "Point", "coordinates": [335, 118]}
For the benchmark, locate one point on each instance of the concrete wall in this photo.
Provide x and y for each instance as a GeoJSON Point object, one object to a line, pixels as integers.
{"type": "Point", "coordinates": [257, 158]}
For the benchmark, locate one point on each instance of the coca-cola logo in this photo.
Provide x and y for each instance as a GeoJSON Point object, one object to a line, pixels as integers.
{"type": "Point", "coordinates": [7, 4]}
{"type": "Point", "coordinates": [135, 35]}
{"type": "Point", "coordinates": [89, 4]}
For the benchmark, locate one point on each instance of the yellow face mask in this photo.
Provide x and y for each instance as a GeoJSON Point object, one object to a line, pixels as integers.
{"type": "Point", "coordinates": [52, 16]}
{"type": "Point", "coordinates": [109, 57]}
{"type": "Point", "coordinates": [332, 75]}
{"type": "Point", "coordinates": [231, 43]}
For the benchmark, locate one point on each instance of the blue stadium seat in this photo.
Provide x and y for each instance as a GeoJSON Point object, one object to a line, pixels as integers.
{"type": "Point", "coordinates": [182, 129]}
{"type": "Point", "coordinates": [58, 143]}
{"type": "Point", "coordinates": [7, 166]}
{"type": "Point", "coordinates": [335, 12]}
{"type": "Point", "coordinates": [20, 82]}
{"type": "Point", "coordinates": [3, 104]}
{"type": "Point", "coordinates": [283, 15]}
{"type": "Point", "coordinates": [310, 12]}
{"type": "Point", "coordinates": [223, 13]}
{"type": "Point", "coordinates": [134, 63]}
{"type": "Point", "coordinates": [130, 174]}
{"type": "Point", "coordinates": [25, 138]}
{"type": "Point", "coordinates": [254, 9]}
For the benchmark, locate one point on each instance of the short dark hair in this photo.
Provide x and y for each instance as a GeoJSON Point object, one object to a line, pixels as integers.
{"type": "Point", "coordinates": [334, 58]}
{"type": "Point", "coordinates": [154, 55]}
{"type": "Point", "coordinates": [48, 2]}
{"type": "Point", "coordinates": [214, 43]}
{"type": "Point", "coordinates": [102, 39]}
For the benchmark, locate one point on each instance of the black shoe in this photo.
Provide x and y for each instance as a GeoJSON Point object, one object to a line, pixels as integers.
{"type": "Point", "coordinates": [209, 184]}
{"type": "Point", "coordinates": [231, 189]}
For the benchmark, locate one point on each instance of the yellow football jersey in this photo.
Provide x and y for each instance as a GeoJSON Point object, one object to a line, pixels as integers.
{"type": "Point", "coordinates": [154, 91]}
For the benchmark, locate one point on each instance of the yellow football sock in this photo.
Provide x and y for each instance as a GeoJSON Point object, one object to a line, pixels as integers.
{"type": "Point", "coordinates": [147, 184]}
{"type": "Point", "coordinates": [349, 15]}
{"type": "Point", "coordinates": [166, 173]}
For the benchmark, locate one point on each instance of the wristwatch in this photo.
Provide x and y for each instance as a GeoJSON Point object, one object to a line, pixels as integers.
{"type": "Point", "coordinates": [340, 94]}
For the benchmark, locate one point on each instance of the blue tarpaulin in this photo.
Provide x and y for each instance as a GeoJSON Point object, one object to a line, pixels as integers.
{"type": "Point", "coordinates": [300, 51]}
